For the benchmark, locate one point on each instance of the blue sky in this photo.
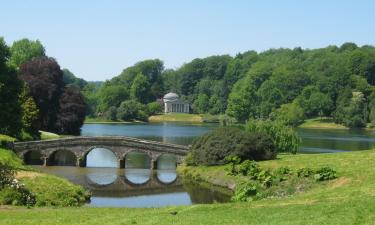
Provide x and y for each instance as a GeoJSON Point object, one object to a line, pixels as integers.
{"type": "Point", "coordinates": [97, 39]}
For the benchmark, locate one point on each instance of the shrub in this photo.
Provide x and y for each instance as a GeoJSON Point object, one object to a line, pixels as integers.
{"type": "Point", "coordinates": [325, 173]}
{"type": "Point", "coordinates": [212, 148]}
{"type": "Point", "coordinates": [305, 172]}
{"type": "Point", "coordinates": [11, 190]}
{"type": "Point", "coordinates": [154, 108]}
{"type": "Point", "coordinates": [249, 168]}
{"type": "Point", "coordinates": [284, 137]}
{"type": "Point", "coordinates": [5, 140]}
{"type": "Point", "coordinates": [245, 193]}
{"type": "Point", "coordinates": [6, 175]}
{"type": "Point", "coordinates": [131, 110]}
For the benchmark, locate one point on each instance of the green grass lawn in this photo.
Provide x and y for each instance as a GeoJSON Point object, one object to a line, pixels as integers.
{"type": "Point", "coordinates": [44, 135]}
{"type": "Point", "coordinates": [322, 123]}
{"type": "Point", "coordinates": [102, 120]}
{"type": "Point", "coordinates": [350, 199]}
{"type": "Point", "coordinates": [177, 117]}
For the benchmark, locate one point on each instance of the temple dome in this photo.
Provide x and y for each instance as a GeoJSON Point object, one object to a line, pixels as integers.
{"type": "Point", "coordinates": [171, 97]}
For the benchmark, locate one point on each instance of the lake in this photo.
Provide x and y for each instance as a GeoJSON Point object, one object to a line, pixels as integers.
{"type": "Point", "coordinates": [138, 186]}
{"type": "Point", "coordinates": [313, 140]}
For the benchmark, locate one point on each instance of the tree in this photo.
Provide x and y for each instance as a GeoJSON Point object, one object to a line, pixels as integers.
{"type": "Point", "coordinates": [43, 78]}
{"type": "Point", "coordinates": [71, 80]}
{"type": "Point", "coordinates": [111, 114]}
{"type": "Point", "coordinates": [284, 137]}
{"type": "Point", "coordinates": [153, 108]}
{"type": "Point", "coordinates": [201, 104]}
{"type": "Point", "coordinates": [131, 110]}
{"type": "Point", "coordinates": [111, 95]}
{"type": "Point", "coordinates": [351, 109]}
{"type": "Point", "coordinates": [140, 88]}
{"type": "Point", "coordinates": [290, 114]}
{"type": "Point", "coordinates": [72, 111]}
{"type": "Point", "coordinates": [241, 100]}
{"type": "Point", "coordinates": [10, 89]}
{"type": "Point", "coordinates": [30, 114]}
{"type": "Point", "coordinates": [25, 50]}
{"type": "Point", "coordinates": [314, 102]}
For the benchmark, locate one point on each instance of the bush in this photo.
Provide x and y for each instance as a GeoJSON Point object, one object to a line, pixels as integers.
{"type": "Point", "coordinates": [305, 172]}
{"type": "Point", "coordinates": [11, 190]}
{"type": "Point", "coordinates": [245, 193]}
{"type": "Point", "coordinates": [154, 108]}
{"type": "Point", "coordinates": [5, 140]}
{"type": "Point", "coordinates": [6, 175]}
{"type": "Point", "coordinates": [212, 148]}
{"type": "Point", "coordinates": [131, 110]}
{"type": "Point", "coordinates": [284, 138]}
{"type": "Point", "coordinates": [325, 173]}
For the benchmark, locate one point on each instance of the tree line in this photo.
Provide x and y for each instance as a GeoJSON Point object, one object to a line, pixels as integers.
{"type": "Point", "coordinates": [278, 84]}
{"type": "Point", "coordinates": [33, 94]}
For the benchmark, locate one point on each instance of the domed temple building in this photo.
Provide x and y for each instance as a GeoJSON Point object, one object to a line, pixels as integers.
{"type": "Point", "coordinates": [172, 103]}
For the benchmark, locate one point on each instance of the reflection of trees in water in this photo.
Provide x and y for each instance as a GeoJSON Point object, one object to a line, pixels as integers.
{"type": "Point", "coordinates": [199, 194]}
{"type": "Point", "coordinates": [166, 162]}
{"type": "Point", "coordinates": [137, 160]}
{"type": "Point", "coordinates": [63, 158]}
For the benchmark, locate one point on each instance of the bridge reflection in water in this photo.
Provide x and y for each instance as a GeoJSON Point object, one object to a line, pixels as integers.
{"type": "Point", "coordinates": [113, 187]}
{"type": "Point", "coordinates": [137, 185]}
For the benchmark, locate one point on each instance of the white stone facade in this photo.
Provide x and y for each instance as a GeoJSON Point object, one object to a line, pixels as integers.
{"type": "Point", "coordinates": [173, 104]}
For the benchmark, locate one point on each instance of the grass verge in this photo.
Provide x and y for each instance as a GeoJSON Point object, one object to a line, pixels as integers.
{"type": "Point", "coordinates": [321, 123]}
{"type": "Point", "coordinates": [177, 117]}
{"type": "Point", "coordinates": [44, 135]}
{"type": "Point", "coordinates": [49, 190]}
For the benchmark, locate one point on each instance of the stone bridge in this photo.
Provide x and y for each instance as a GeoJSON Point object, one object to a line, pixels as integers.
{"type": "Point", "coordinates": [78, 147]}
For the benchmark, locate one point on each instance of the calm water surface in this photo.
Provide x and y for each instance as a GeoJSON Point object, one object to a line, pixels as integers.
{"type": "Point", "coordinates": [313, 140]}
{"type": "Point", "coordinates": [138, 186]}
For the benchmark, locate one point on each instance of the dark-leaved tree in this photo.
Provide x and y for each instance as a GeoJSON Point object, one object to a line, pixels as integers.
{"type": "Point", "coordinates": [72, 111]}
{"type": "Point", "coordinates": [44, 79]}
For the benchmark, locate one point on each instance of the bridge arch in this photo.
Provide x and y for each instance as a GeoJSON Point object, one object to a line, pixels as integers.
{"type": "Point", "coordinates": [138, 159]}
{"type": "Point", "coordinates": [33, 157]}
{"type": "Point", "coordinates": [108, 157]}
{"type": "Point", "coordinates": [62, 157]}
{"type": "Point", "coordinates": [166, 161]}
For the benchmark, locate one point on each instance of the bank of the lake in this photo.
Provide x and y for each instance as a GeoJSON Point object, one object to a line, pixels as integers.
{"type": "Point", "coordinates": [350, 199]}
{"type": "Point", "coordinates": [321, 123]}
{"type": "Point", "coordinates": [48, 190]}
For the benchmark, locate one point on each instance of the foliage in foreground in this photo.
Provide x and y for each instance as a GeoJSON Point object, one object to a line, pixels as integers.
{"type": "Point", "coordinates": [12, 191]}
{"type": "Point", "coordinates": [279, 182]}
{"type": "Point", "coordinates": [212, 148]}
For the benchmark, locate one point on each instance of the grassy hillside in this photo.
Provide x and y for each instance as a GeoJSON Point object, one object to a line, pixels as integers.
{"type": "Point", "coordinates": [350, 199]}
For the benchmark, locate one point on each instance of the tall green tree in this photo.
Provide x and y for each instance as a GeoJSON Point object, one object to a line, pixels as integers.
{"type": "Point", "coordinates": [140, 89]}
{"type": "Point", "coordinates": [10, 89]}
{"type": "Point", "coordinates": [25, 50]}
